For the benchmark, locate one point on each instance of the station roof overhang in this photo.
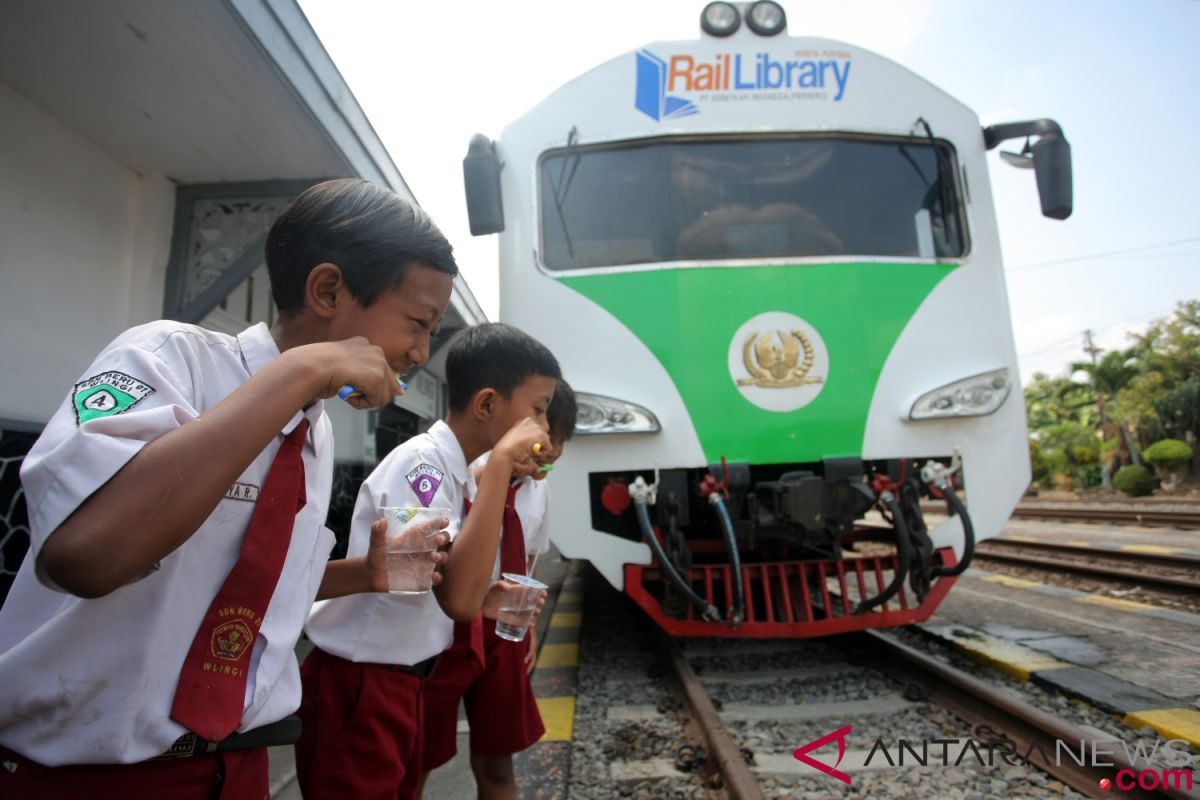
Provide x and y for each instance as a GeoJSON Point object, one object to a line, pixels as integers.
{"type": "Point", "coordinates": [203, 92]}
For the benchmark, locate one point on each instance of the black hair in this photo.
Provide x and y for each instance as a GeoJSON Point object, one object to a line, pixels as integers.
{"type": "Point", "coordinates": [371, 233]}
{"type": "Point", "coordinates": [494, 356]}
{"type": "Point", "coordinates": [563, 412]}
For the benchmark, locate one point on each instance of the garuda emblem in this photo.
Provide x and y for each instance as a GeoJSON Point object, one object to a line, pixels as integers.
{"type": "Point", "coordinates": [774, 362]}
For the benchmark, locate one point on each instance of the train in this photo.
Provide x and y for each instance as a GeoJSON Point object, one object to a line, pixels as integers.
{"type": "Point", "coordinates": [770, 267]}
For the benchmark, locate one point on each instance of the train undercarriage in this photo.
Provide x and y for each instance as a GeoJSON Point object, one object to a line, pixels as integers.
{"type": "Point", "coordinates": [786, 551]}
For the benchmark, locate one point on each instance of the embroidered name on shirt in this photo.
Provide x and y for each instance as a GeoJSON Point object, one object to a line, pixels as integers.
{"type": "Point", "coordinates": [425, 480]}
{"type": "Point", "coordinates": [243, 491]}
{"type": "Point", "coordinates": [107, 394]}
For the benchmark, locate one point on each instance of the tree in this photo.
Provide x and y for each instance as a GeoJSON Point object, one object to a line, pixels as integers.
{"type": "Point", "coordinates": [1171, 346]}
{"type": "Point", "coordinates": [1107, 377]}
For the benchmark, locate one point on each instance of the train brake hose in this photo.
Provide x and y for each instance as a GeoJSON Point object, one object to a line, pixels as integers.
{"type": "Point", "coordinates": [708, 611]}
{"type": "Point", "coordinates": [903, 553]}
{"type": "Point", "coordinates": [737, 614]}
{"type": "Point", "coordinates": [957, 507]}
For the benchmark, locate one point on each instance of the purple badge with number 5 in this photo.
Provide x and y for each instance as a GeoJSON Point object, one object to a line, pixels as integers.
{"type": "Point", "coordinates": [425, 480]}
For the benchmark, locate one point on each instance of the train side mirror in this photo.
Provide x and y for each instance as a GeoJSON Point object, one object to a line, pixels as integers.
{"type": "Point", "coordinates": [481, 177]}
{"type": "Point", "coordinates": [1052, 167]}
{"type": "Point", "coordinates": [1051, 160]}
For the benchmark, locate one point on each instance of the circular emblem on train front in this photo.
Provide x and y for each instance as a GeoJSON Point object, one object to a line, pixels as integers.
{"type": "Point", "coordinates": [778, 361]}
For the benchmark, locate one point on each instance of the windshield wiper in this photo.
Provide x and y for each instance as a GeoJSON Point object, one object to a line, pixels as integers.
{"type": "Point", "coordinates": [563, 185]}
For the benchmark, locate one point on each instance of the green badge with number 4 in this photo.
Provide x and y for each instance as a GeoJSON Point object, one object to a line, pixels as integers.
{"type": "Point", "coordinates": [107, 394]}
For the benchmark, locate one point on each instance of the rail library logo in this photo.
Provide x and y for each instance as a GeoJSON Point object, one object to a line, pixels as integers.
{"type": "Point", "coordinates": [808, 76]}
{"type": "Point", "coordinates": [650, 96]}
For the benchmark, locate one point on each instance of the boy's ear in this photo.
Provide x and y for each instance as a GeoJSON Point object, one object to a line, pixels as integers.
{"type": "Point", "coordinates": [324, 289]}
{"type": "Point", "coordinates": [484, 404]}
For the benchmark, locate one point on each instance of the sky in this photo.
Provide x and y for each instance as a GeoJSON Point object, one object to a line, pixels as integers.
{"type": "Point", "coordinates": [1119, 77]}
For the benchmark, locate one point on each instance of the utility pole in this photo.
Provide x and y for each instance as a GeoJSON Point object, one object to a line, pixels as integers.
{"type": "Point", "coordinates": [1092, 350]}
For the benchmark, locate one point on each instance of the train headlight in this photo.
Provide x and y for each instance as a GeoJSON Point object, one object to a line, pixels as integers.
{"type": "Point", "coordinates": [599, 414]}
{"type": "Point", "coordinates": [766, 18]}
{"type": "Point", "coordinates": [976, 396]}
{"type": "Point", "coordinates": [720, 19]}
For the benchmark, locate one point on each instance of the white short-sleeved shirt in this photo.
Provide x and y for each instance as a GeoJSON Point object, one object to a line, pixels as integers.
{"type": "Point", "coordinates": [533, 508]}
{"type": "Point", "coordinates": [429, 470]}
{"type": "Point", "coordinates": [92, 681]}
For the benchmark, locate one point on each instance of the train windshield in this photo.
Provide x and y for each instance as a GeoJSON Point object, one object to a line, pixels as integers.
{"type": "Point", "coordinates": [749, 198]}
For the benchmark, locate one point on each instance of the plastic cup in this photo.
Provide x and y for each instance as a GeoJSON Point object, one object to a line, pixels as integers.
{"type": "Point", "coordinates": [518, 607]}
{"type": "Point", "coordinates": [410, 541]}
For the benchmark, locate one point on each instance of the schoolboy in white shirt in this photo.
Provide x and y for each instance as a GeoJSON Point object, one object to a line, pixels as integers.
{"type": "Point", "coordinates": [177, 503]}
{"type": "Point", "coordinates": [363, 681]}
{"type": "Point", "coordinates": [501, 708]}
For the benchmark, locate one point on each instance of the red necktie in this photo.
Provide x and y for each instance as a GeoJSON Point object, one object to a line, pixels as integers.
{"type": "Point", "coordinates": [474, 628]}
{"type": "Point", "coordinates": [512, 537]}
{"type": "Point", "coordinates": [212, 683]}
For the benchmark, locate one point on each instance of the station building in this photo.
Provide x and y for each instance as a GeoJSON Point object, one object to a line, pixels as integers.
{"type": "Point", "coordinates": [145, 150]}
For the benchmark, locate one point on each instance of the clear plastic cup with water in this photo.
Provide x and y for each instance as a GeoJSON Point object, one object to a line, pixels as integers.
{"type": "Point", "coordinates": [518, 606]}
{"type": "Point", "coordinates": [411, 540]}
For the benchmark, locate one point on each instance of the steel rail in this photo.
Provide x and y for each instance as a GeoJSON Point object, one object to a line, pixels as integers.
{"type": "Point", "coordinates": [1168, 583]}
{"type": "Point", "coordinates": [1148, 517]}
{"type": "Point", "coordinates": [739, 781]}
{"type": "Point", "coordinates": [979, 704]}
{"type": "Point", "coordinates": [1183, 520]}
{"type": "Point", "coordinates": [1141, 557]}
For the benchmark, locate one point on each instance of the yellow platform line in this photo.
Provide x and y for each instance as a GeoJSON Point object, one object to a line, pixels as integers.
{"type": "Point", "coordinates": [1115, 602]}
{"type": "Point", "coordinates": [558, 715]}
{"type": "Point", "coordinates": [570, 597]}
{"type": "Point", "coordinates": [1172, 723]}
{"type": "Point", "coordinates": [1079, 543]}
{"type": "Point", "coordinates": [1009, 657]}
{"type": "Point", "coordinates": [566, 619]}
{"type": "Point", "coordinates": [1155, 549]}
{"type": "Point", "coordinates": [559, 655]}
{"type": "Point", "coordinates": [1008, 580]}
{"type": "Point", "coordinates": [1016, 538]}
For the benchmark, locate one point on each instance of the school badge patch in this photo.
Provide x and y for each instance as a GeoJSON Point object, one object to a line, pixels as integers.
{"type": "Point", "coordinates": [425, 480]}
{"type": "Point", "coordinates": [106, 394]}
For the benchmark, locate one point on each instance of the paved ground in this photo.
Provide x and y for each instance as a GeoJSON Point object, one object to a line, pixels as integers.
{"type": "Point", "coordinates": [1129, 658]}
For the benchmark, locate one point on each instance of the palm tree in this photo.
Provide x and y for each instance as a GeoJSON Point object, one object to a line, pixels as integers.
{"type": "Point", "coordinates": [1108, 376]}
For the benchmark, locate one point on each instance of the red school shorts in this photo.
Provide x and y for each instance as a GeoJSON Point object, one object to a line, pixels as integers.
{"type": "Point", "coordinates": [362, 726]}
{"type": "Point", "coordinates": [500, 704]}
{"type": "Point", "coordinates": [245, 777]}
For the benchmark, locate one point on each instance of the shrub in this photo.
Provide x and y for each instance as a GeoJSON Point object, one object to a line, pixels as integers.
{"type": "Point", "coordinates": [1037, 464]}
{"type": "Point", "coordinates": [1168, 455]}
{"type": "Point", "coordinates": [1062, 482]}
{"type": "Point", "coordinates": [1090, 476]}
{"type": "Point", "coordinates": [1084, 454]}
{"type": "Point", "coordinates": [1134, 481]}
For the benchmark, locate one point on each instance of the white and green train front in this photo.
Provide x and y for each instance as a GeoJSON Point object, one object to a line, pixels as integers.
{"type": "Point", "coordinates": [777, 253]}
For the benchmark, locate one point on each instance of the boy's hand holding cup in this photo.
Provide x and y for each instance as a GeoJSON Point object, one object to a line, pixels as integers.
{"type": "Point", "coordinates": [514, 602]}
{"type": "Point", "coordinates": [406, 547]}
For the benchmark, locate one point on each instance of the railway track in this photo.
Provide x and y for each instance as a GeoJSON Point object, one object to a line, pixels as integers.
{"type": "Point", "coordinates": [999, 724]}
{"type": "Point", "coordinates": [713, 718]}
{"type": "Point", "coordinates": [1169, 573]}
{"type": "Point", "coordinates": [1149, 517]}
{"type": "Point", "coordinates": [1145, 516]}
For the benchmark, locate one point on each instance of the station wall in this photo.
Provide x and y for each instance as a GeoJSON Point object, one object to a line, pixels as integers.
{"type": "Point", "coordinates": [84, 243]}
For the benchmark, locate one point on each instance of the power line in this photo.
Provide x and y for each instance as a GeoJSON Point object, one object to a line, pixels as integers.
{"type": "Point", "coordinates": [1092, 256]}
{"type": "Point", "coordinates": [1072, 340]}
{"type": "Point", "coordinates": [1051, 349]}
